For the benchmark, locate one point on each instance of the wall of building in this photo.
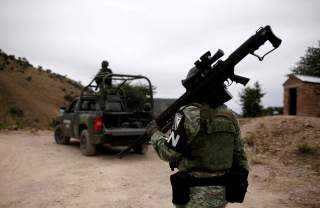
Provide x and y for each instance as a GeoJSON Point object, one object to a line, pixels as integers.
{"type": "Point", "coordinates": [308, 98]}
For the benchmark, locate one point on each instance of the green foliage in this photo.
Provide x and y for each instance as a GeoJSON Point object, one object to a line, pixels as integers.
{"type": "Point", "coordinates": [3, 126]}
{"type": "Point", "coordinates": [52, 123]}
{"type": "Point", "coordinates": [137, 96]}
{"type": "Point", "coordinates": [250, 99]}
{"type": "Point", "coordinates": [310, 63]}
{"type": "Point", "coordinates": [12, 57]}
{"type": "Point", "coordinates": [271, 111]}
{"type": "Point", "coordinates": [16, 111]}
{"type": "Point", "coordinates": [4, 55]}
{"type": "Point", "coordinates": [23, 62]}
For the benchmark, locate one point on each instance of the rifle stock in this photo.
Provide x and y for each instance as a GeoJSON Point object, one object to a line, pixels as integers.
{"type": "Point", "coordinates": [215, 77]}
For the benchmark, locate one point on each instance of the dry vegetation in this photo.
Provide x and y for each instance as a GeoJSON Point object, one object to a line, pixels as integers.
{"type": "Point", "coordinates": [285, 157]}
{"type": "Point", "coordinates": [30, 97]}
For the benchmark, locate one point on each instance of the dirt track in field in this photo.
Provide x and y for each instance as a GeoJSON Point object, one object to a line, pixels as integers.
{"type": "Point", "coordinates": [36, 172]}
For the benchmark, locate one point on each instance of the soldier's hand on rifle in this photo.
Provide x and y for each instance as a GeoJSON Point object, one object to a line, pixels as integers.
{"type": "Point", "coordinates": [151, 128]}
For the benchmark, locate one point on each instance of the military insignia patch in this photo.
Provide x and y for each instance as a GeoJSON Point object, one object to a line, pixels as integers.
{"type": "Point", "coordinates": [177, 120]}
{"type": "Point", "coordinates": [177, 138]}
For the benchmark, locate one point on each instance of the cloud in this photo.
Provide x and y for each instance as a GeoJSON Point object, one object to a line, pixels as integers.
{"type": "Point", "coordinates": [159, 39]}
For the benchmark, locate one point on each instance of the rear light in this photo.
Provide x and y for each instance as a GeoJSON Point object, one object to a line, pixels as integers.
{"type": "Point", "coordinates": [98, 124]}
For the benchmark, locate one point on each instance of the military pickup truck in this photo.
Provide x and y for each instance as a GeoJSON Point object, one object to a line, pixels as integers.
{"type": "Point", "coordinates": [114, 114]}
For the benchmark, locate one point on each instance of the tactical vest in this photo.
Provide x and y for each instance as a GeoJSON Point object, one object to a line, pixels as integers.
{"type": "Point", "coordinates": [212, 149]}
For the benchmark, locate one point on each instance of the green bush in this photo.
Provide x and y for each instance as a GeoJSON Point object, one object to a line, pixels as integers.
{"type": "Point", "coordinates": [29, 78]}
{"type": "Point", "coordinates": [137, 96]}
{"type": "Point", "coordinates": [16, 111]}
{"type": "Point", "coordinates": [52, 123]}
{"type": "Point", "coordinates": [250, 100]}
{"type": "Point", "coordinates": [68, 97]}
{"type": "Point", "coordinates": [3, 126]}
{"type": "Point", "coordinates": [271, 111]}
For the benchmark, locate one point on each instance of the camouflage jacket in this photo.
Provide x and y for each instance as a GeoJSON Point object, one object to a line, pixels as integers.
{"type": "Point", "coordinates": [202, 139]}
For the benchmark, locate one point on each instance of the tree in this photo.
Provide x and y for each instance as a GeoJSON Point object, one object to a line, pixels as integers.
{"type": "Point", "coordinates": [310, 63]}
{"type": "Point", "coordinates": [271, 111]}
{"type": "Point", "coordinates": [250, 99]}
{"type": "Point", "coordinates": [137, 96]}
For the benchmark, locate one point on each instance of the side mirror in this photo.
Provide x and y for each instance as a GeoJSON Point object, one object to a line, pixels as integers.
{"type": "Point", "coordinates": [62, 110]}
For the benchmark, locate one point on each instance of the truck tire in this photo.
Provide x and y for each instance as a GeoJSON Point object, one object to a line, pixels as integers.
{"type": "Point", "coordinates": [86, 147]}
{"type": "Point", "coordinates": [59, 137]}
{"type": "Point", "coordinates": [140, 149]}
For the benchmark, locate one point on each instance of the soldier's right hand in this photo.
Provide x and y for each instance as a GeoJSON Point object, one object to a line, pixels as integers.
{"type": "Point", "coordinates": [151, 128]}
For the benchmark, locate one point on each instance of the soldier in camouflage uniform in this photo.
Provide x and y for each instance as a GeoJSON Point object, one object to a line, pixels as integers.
{"type": "Point", "coordinates": [105, 70]}
{"type": "Point", "coordinates": [204, 142]}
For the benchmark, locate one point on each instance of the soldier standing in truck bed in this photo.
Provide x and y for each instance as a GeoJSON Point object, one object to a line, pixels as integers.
{"type": "Point", "coordinates": [105, 70]}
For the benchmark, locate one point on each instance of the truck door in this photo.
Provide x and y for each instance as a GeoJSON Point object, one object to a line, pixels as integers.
{"type": "Point", "coordinates": [68, 119]}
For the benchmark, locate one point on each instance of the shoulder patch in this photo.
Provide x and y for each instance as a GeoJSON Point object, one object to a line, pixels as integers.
{"type": "Point", "coordinates": [177, 139]}
{"type": "Point", "coordinates": [177, 120]}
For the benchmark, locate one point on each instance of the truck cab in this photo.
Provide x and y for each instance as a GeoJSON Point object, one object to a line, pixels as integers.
{"type": "Point", "coordinates": [114, 115]}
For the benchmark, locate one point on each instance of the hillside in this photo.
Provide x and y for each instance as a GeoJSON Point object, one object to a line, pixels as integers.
{"type": "Point", "coordinates": [31, 97]}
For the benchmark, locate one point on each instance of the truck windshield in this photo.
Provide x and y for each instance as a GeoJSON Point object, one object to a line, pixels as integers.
{"type": "Point", "coordinates": [88, 105]}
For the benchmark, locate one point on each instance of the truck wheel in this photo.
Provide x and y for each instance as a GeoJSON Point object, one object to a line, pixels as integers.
{"type": "Point", "coordinates": [59, 137]}
{"type": "Point", "coordinates": [86, 147]}
{"type": "Point", "coordinates": [140, 149]}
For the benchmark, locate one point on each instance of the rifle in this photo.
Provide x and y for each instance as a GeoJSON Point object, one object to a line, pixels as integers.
{"type": "Point", "coordinates": [207, 77]}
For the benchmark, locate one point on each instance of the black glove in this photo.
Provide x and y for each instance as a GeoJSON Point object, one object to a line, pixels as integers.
{"type": "Point", "coordinates": [151, 128]}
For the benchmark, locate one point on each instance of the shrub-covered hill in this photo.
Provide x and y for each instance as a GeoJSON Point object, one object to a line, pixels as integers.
{"type": "Point", "coordinates": [30, 97]}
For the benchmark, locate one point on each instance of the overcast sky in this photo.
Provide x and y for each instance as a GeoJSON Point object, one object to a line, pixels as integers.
{"type": "Point", "coordinates": [158, 39]}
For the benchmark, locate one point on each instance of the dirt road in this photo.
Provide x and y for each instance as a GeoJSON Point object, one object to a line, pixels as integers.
{"type": "Point", "coordinates": [36, 172]}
